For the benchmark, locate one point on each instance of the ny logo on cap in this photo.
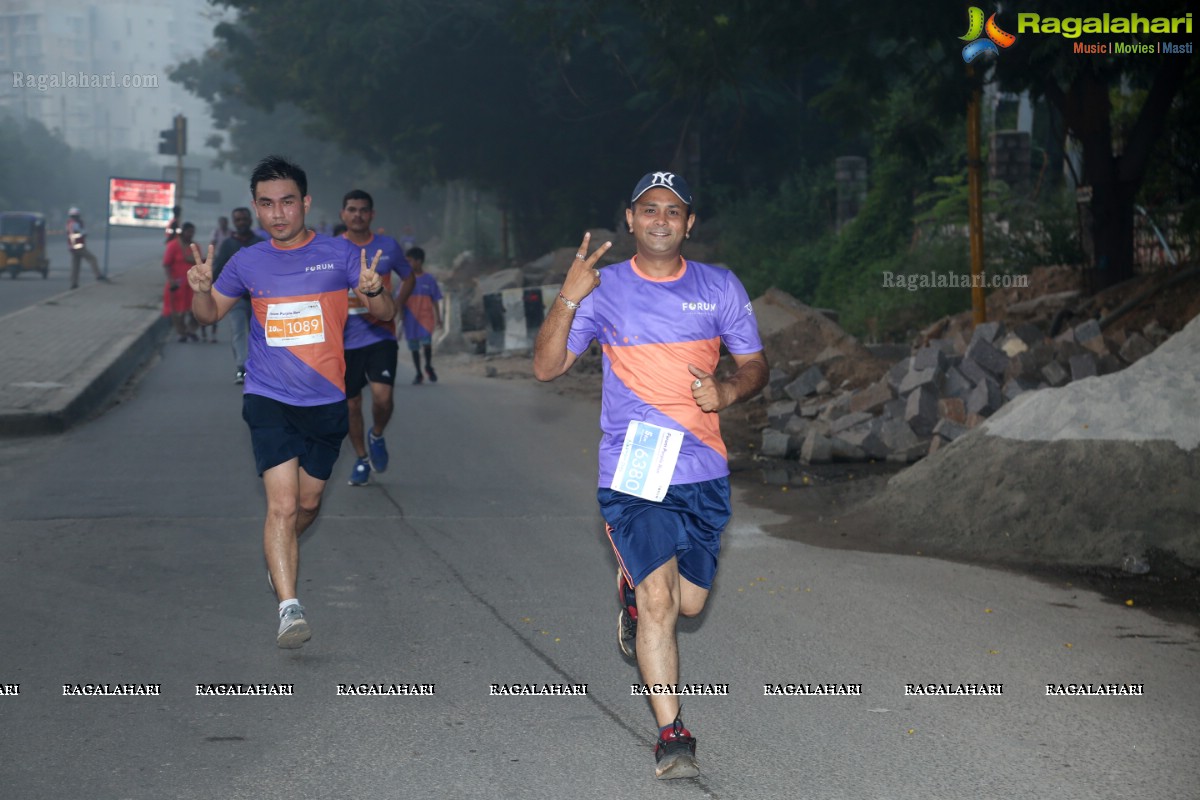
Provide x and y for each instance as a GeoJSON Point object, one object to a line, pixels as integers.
{"type": "Point", "coordinates": [663, 179]}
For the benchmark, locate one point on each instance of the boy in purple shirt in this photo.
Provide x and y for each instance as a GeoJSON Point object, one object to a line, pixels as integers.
{"type": "Point", "coordinates": [660, 321]}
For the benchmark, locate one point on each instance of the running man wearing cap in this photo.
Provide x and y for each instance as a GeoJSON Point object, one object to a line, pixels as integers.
{"type": "Point", "coordinates": [660, 321]}
{"type": "Point", "coordinates": [295, 397]}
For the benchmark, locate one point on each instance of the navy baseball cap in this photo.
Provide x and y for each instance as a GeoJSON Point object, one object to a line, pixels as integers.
{"type": "Point", "coordinates": [667, 180]}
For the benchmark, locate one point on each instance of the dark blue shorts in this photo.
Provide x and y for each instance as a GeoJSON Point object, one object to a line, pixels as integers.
{"type": "Point", "coordinates": [687, 524]}
{"type": "Point", "coordinates": [375, 363]}
{"type": "Point", "coordinates": [280, 432]}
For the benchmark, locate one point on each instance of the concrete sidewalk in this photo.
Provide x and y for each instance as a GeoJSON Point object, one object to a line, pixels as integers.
{"type": "Point", "coordinates": [61, 359]}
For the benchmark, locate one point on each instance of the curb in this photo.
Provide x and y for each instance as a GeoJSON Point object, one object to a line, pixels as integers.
{"type": "Point", "coordinates": [132, 351]}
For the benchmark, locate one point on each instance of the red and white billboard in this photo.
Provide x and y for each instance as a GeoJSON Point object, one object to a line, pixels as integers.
{"type": "Point", "coordinates": [140, 203]}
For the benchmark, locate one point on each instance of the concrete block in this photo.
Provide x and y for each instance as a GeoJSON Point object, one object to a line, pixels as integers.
{"type": "Point", "coordinates": [929, 357]}
{"type": "Point", "coordinates": [1087, 331]}
{"type": "Point", "coordinates": [1107, 364]}
{"type": "Point", "coordinates": [1136, 346]}
{"type": "Point", "coordinates": [1083, 366]}
{"type": "Point", "coordinates": [871, 399]}
{"type": "Point", "coordinates": [849, 421]}
{"type": "Point", "coordinates": [867, 439]}
{"type": "Point", "coordinates": [921, 411]}
{"type": "Point", "coordinates": [936, 443]}
{"type": "Point", "coordinates": [1043, 352]}
{"type": "Point", "coordinates": [779, 412]}
{"type": "Point", "coordinates": [986, 332]}
{"type": "Point", "coordinates": [824, 387]}
{"type": "Point", "coordinates": [957, 384]}
{"type": "Point", "coordinates": [797, 427]}
{"type": "Point", "coordinates": [775, 444]}
{"type": "Point", "coordinates": [985, 398]}
{"type": "Point", "coordinates": [1055, 375]}
{"type": "Point", "coordinates": [988, 356]}
{"type": "Point", "coordinates": [841, 450]}
{"type": "Point", "coordinates": [973, 372]}
{"type": "Point", "coordinates": [1023, 366]}
{"type": "Point", "coordinates": [815, 449]}
{"type": "Point", "coordinates": [1030, 334]}
{"type": "Point", "coordinates": [1017, 386]}
{"type": "Point", "coordinates": [917, 378]}
{"type": "Point", "coordinates": [898, 372]}
{"type": "Point", "coordinates": [805, 384]}
{"type": "Point", "coordinates": [777, 379]}
{"type": "Point", "coordinates": [811, 410]}
{"type": "Point", "coordinates": [894, 409]}
{"type": "Point", "coordinates": [975, 420]}
{"type": "Point", "coordinates": [953, 409]}
{"type": "Point", "coordinates": [897, 436]}
{"type": "Point", "coordinates": [949, 430]}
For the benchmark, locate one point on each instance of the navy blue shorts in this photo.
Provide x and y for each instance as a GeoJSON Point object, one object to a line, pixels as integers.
{"type": "Point", "coordinates": [280, 432]}
{"type": "Point", "coordinates": [686, 524]}
{"type": "Point", "coordinates": [375, 363]}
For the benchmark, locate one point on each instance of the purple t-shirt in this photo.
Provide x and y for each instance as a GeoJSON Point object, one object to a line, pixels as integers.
{"type": "Point", "coordinates": [362, 329]}
{"type": "Point", "coordinates": [650, 330]}
{"type": "Point", "coordinates": [420, 317]}
{"type": "Point", "coordinates": [298, 300]}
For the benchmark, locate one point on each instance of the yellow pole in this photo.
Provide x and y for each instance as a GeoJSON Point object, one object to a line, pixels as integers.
{"type": "Point", "coordinates": [975, 201]}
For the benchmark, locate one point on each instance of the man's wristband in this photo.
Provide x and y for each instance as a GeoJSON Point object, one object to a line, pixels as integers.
{"type": "Point", "coordinates": [375, 293]}
{"type": "Point", "coordinates": [571, 304]}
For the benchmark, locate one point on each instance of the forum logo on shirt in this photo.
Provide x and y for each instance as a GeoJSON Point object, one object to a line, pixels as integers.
{"type": "Point", "coordinates": [698, 305]}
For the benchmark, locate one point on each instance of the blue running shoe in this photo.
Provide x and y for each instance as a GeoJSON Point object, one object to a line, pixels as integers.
{"type": "Point", "coordinates": [377, 449]}
{"type": "Point", "coordinates": [361, 473]}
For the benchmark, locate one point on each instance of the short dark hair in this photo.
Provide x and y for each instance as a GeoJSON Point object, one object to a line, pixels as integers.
{"type": "Point", "coordinates": [278, 168]}
{"type": "Point", "coordinates": [417, 253]}
{"type": "Point", "coordinates": [243, 209]}
{"type": "Point", "coordinates": [187, 225]}
{"type": "Point", "coordinates": [358, 194]}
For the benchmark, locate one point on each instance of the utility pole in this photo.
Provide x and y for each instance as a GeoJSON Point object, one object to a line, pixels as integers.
{"type": "Point", "coordinates": [975, 199]}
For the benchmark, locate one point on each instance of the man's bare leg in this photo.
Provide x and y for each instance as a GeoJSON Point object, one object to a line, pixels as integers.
{"type": "Point", "coordinates": [293, 502]}
{"type": "Point", "coordinates": [661, 597]}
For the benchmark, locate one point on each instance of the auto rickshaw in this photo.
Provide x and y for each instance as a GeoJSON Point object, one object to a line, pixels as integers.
{"type": "Point", "coordinates": [23, 243]}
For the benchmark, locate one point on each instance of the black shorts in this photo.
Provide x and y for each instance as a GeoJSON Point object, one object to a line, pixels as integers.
{"type": "Point", "coordinates": [375, 363]}
{"type": "Point", "coordinates": [280, 432]}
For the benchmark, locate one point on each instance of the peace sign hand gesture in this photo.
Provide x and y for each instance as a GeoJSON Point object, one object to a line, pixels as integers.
{"type": "Point", "coordinates": [369, 282]}
{"type": "Point", "coordinates": [200, 275]}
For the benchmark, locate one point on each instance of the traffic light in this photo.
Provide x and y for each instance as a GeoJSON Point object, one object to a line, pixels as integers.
{"type": "Point", "coordinates": [173, 141]}
{"type": "Point", "coordinates": [166, 145]}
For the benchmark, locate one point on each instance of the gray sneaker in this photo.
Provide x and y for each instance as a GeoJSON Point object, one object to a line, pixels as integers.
{"type": "Point", "coordinates": [293, 630]}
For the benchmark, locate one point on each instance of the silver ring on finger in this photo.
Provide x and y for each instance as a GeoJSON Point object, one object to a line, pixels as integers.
{"type": "Point", "coordinates": [696, 384]}
{"type": "Point", "coordinates": [596, 272]}
{"type": "Point", "coordinates": [580, 257]}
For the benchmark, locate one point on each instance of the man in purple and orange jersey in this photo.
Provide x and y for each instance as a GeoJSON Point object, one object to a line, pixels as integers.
{"type": "Point", "coordinates": [371, 345]}
{"type": "Point", "coordinates": [664, 475]}
{"type": "Point", "coordinates": [294, 398]}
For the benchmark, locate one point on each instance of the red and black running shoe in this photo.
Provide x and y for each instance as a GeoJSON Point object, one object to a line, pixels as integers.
{"type": "Point", "coordinates": [675, 753]}
{"type": "Point", "coordinates": [627, 619]}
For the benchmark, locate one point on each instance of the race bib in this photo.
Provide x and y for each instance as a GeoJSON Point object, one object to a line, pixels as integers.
{"type": "Point", "coordinates": [647, 461]}
{"type": "Point", "coordinates": [356, 304]}
{"type": "Point", "coordinates": [290, 324]}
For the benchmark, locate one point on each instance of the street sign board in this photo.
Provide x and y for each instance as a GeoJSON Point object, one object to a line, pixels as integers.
{"type": "Point", "coordinates": [140, 203]}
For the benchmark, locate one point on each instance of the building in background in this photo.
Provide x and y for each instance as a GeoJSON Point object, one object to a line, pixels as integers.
{"type": "Point", "coordinates": [129, 41]}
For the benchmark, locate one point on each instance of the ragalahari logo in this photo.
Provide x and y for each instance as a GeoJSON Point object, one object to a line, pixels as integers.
{"type": "Point", "coordinates": [995, 40]}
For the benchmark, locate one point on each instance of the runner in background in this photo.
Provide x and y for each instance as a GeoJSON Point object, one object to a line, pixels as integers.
{"type": "Point", "coordinates": [371, 345]}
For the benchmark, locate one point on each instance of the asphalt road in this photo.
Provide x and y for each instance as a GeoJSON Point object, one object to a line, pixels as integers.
{"type": "Point", "coordinates": [130, 553]}
{"type": "Point", "coordinates": [128, 248]}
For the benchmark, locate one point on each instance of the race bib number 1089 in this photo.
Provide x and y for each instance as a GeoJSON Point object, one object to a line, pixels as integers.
{"type": "Point", "coordinates": [290, 324]}
{"type": "Point", "coordinates": [647, 461]}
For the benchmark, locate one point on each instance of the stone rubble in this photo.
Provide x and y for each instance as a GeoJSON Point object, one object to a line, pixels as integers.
{"type": "Point", "coordinates": [945, 388]}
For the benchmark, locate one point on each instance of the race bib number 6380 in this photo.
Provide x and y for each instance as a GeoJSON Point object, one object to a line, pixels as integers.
{"type": "Point", "coordinates": [647, 461]}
